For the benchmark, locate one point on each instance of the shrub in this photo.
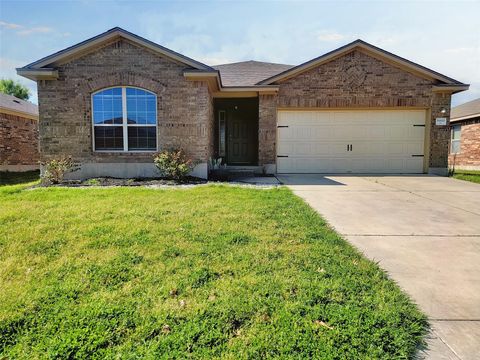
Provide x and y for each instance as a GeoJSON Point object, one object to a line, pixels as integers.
{"type": "Point", "coordinates": [173, 164]}
{"type": "Point", "coordinates": [56, 169]}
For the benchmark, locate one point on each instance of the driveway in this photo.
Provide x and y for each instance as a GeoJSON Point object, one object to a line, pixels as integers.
{"type": "Point", "coordinates": [425, 232]}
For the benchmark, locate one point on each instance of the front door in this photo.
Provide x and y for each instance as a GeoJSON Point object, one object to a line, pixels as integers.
{"type": "Point", "coordinates": [241, 140]}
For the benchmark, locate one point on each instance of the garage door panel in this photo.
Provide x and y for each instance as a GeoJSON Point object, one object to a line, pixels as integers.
{"type": "Point", "coordinates": [381, 141]}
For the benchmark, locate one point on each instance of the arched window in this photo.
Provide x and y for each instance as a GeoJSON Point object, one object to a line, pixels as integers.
{"type": "Point", "coordinates": [124, 119]}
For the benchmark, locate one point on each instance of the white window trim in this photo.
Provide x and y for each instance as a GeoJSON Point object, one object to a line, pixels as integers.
{"type": "Point", "coordinates": [124, 123]}
{"type": "Point", "coordinates": [452, 140]}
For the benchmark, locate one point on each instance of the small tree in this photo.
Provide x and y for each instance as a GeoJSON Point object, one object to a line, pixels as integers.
{"type": "Point", "coordinates": [173, 164]}
{"type": "Point", "coordinates": [56, 169]}
{"type": "Point", "coordinates": [11, 87]}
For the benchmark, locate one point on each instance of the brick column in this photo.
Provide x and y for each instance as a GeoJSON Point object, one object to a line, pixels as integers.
{"type": "Point", "coordinates": [267, 132]}
{"type": "Point", "coordinates": [439, 135]}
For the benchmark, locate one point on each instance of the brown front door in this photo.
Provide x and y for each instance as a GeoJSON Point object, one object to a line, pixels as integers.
{"type": "Point", "coordinates": [241, 138]}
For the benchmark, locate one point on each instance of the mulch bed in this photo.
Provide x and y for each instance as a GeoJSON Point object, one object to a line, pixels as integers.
{"type": "Point", "coordinates": [107, 181]}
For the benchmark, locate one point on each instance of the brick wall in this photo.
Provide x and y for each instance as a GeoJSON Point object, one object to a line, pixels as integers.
{"type": "Point", "coordinates": [469, 156]}
{"type": "Point", "coordinates": [184, 108]}
{"type": "Point", "coordinates": [18, 143]}
{"type": "Point", "coordinates": [267, 129]}
{"type": "Point", "coordinates": [357, 80]}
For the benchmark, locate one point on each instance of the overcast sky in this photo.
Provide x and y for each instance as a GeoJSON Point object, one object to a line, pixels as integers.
{"type": "Point", "coordinates": [441, 35]}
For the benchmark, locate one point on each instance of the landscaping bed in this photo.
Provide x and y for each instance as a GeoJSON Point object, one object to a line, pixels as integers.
{"type": "Point", "coordinates": [210, 272]}
{"type": "Point", "coordinates": [108, 181]}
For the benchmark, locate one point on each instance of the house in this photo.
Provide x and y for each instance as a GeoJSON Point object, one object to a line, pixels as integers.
{"type": "Point", "coordinates": [465, 136]}
{"type": "Point", "coordinates": [18, 134]}
{"type": "Point", "coordinates": [113, 100]}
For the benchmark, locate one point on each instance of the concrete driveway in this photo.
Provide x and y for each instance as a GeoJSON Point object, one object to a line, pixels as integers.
{"type": "Point", "coordinates": [425, 232]}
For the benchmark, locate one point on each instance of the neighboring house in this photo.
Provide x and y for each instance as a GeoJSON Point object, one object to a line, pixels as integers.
{"type": "Point", "coordinates": [18, 134]}
{"type": "Point", "coordinates": [465, 136]}
{"type": "Point", "coordinates": [113, 100]}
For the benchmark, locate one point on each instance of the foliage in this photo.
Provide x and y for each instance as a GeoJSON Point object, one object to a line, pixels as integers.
{"type": "Point", "coordinates": [56, 169]}
{"type": "Point", "coordinates": [209, 272]}
{"type": "Point", "coordinates": [173, 164]}
{"type": "Point", "coordinates": [215, 164]}
{"type": "Point", "coordinates": [11, 87]}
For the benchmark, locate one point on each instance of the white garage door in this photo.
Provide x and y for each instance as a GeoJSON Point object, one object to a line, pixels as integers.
{"type": "Point", "coordinates": [375, 141]}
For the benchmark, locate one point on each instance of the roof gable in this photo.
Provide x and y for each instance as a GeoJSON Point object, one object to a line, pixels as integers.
{"type": "Point", "coordinates": [370, 50]}
{"type": "Point", "coordinates": [48, 63]}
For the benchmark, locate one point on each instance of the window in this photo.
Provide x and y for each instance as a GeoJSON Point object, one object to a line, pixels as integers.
{"type": "Point", "coordinates": [221, 132]}
{"type": "Point", "coordinates": [455, 140]}
{"type": "Point", "coordinates": [124, 119]}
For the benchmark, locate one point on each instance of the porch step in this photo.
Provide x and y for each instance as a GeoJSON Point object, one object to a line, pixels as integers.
{"type": "Point", "coordinates": [238, 174]}
{"type": "Point", "coordinates": [232, 173]}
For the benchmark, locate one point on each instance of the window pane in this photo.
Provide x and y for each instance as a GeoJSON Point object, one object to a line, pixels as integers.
{"type": "Point", "coordinates": [131, 103]}
{"type": "Point", "coordinates": [151, 105]}
{"type": "Point", "coordinates": [142, 138]}
{"type": "Point", "coordinates": [98, 117]}
{"type": "Point", "coordinates": [97, 103]}
{"type": "Point", "coordinates": [107, 106]}
{"type": "Point", "coordinates": [151, 118]}
{"type": "Point", "coordinates": [141, 108]}
{"type": "Point", "coordinates": [456, 131]}
{"type": "Point", "coordinates": [118, 119]}
{"type": "Point", "coordinates": [455, 146]}
{"type": "Point", "coordinates": [108, 138]}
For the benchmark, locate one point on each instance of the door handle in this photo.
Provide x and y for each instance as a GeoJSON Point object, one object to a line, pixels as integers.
{"type": "Point", "coordinates": [351, 147]}
{"type": "Point", "coordinates": [348, 147]}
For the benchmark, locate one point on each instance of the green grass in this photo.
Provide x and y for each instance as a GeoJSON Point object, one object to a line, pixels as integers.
{"type": "Point", "coordinates": [10, 178]}
{"type": "Point", "coordinates": [210, 272]}
{"type": "Point", "coordinates": [468, 175]}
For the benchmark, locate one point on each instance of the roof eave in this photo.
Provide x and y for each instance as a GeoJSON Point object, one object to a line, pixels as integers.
{"type": "Point", "coordinates": [38, 74]}
{"type": "Point", "coordinates": [450, 88]}
{"type": "Point", "coordinates": [466, 117]}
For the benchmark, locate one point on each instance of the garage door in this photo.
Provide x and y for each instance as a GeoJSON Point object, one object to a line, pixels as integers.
{"type": "Point", "coordinates": [350, 141]}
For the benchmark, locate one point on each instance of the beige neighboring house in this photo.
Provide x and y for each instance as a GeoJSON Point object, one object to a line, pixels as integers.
{"type": "Point", "coordinates": [19, 149]}
{"type": "Point", "coordinates": [113, 100]}
{"type": "Point", "coordinates": [464, 151]}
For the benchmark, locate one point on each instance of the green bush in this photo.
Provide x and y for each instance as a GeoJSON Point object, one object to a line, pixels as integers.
{"type": "Point", "coordinates": [56, 169]}
{"type": "Point", "coordinates": [173, 164]}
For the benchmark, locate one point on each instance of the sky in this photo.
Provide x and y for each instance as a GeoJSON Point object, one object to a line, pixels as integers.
{"type": "Point", "coordinates": [441, 35]}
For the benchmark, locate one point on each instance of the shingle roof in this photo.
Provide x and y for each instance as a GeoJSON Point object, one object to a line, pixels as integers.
{"type": "Point", "coordinates": [12, 103]}
{"type": "Point", "coordinates": [248, 73]}
{"type": "Point", "coordinates": [468, 110]}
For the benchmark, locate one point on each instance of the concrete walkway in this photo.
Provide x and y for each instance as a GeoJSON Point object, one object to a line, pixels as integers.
{"type": "Point", "coordinates": [425, 231]}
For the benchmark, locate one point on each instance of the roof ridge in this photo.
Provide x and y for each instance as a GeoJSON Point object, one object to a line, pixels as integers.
{"type": "Point", "coordinates": [254, 61]}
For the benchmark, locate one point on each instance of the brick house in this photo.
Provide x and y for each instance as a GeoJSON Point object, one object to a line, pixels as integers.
{"type": "Point", "coordinates": [465, 136]}
{"type": "Point", "coordinates": [113, 100]}
{"type": "Point", "coordinates": [18, 134]}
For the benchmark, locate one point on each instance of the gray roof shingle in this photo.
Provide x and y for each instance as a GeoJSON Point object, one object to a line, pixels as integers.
{"type": "Point", "coordinates": [469, 109]}
{"type": "Point", "coordinates": [248, 73]}
{"type": "Point", "coordinates": [15, 104]}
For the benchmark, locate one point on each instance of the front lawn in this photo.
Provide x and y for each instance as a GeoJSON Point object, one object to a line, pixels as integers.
{"type": "Point", "coordinates": [468, 175]}
{"type": "Point", "coordinates": [209, 272]}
